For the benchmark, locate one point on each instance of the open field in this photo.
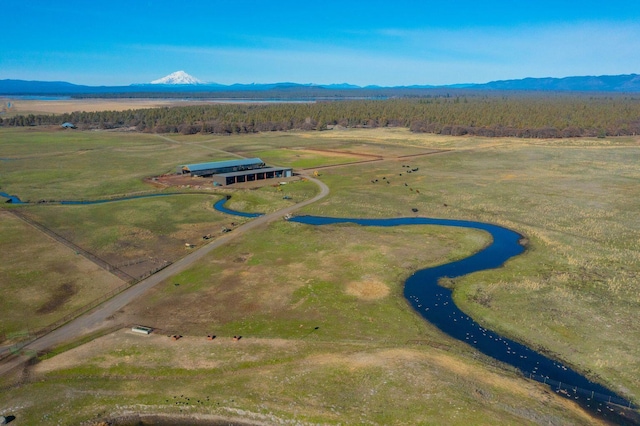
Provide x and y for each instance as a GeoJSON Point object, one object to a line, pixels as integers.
{"type": "Point", "coordinates": [56, 164]}
{"type": "Point", "coordinates": [574, 293]}
{"type": "Point", "coordinates": [34, 106]}
{"type": "Point", "coordinates": [77, 166]}
{"type": "Point", "coordinates": [307, 380]}
{"type": "Point", "coordinates": [305, 158]}
{"type": "Point", "coordinates": [38, 293]}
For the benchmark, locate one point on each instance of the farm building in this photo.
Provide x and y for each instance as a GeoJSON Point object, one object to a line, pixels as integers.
{"type": "Point", "coordinates": [217, 167]}
{"type": "Point", "coordinates": [252, 175]}
{"type": "Point", "coordinates": [235, 171]}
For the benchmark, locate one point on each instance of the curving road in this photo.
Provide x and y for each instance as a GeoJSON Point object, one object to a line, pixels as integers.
{"type": "Point", "coordinates": [97, 318]}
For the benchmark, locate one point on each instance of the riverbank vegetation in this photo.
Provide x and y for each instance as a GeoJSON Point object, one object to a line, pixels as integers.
{"type": "Point", "coordinates": [326, 334]}
{"type": "Point", "coordinates": [487, 114]}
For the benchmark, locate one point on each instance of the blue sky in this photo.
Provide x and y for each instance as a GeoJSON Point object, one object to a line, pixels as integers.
{"type": "Point", "coordinates": [396, 42]}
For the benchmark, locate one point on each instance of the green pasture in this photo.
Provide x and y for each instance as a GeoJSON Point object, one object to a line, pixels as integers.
{"type": "Point", "coordinates": [368, 360]}
{"type": "Point", "coordinates": [301, 159]}
{"type": "Point", "coordinates": [72, 165]}
{"type": "Point", "coordinates": [41, 280]}
{"type": "Point", "coordinates": [346, 279]}
{"type": "Point", "coordinates": [55, 165]}
{"type": "Point", "coordinates": [116, 228]}
{"type": "Point", "coordinates": [271, 198]}
{"type": "Point", "coordinates": [573, 294]}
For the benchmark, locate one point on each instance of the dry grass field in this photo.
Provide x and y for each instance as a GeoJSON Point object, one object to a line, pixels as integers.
{"type": "Point", "coordinates": [35, 106]}
{"type": "Point", "coordinates": [327, 337]}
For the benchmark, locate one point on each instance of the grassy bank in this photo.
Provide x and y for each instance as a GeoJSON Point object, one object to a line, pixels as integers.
{"type": "Point", "coordinates": [270, 381]}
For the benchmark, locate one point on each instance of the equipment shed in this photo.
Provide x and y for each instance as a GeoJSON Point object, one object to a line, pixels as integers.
{"type": "Point", "coordinates": [224, 179]}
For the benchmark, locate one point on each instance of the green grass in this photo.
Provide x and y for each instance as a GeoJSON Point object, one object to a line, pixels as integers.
{"type": "Point", "coordinates": [54, 165]}
{"type": "Point", "coordinates": [574, 293]}
{"type": "Point", "coordinates": [113, 229]}
{"type": "Point", "coordinates": [33, 271]}
{"type": "Point", "coordinates": [271, 198]}
{"type": "Point", "coordinates": [261, 380]}
{"type": "Point", "coordinates": [302, 159]}
{"type": "Point", "coordinates": [271, 271]}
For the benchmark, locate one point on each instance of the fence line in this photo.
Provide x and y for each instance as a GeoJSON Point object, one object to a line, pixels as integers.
{"type": "Point", "coordinates": [129, 281]}
{"type": "Point", "coordinates": [119, 197]}
{"type": "Point", "coordinates": [33, 335]}
{"type": "Point", "coordinates": [94, 303]}
{"type": "Point", "coordinates": [79, 250]}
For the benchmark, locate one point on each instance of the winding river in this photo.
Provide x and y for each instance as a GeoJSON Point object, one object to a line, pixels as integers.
{"type": "Point", "coordinates": [435, 304]}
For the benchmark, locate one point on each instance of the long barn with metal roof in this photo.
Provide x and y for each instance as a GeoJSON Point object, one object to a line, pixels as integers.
{"type": "Point", "coordinates": [218, 167]}
{"type": "Point", "coordinates": [235, 171]}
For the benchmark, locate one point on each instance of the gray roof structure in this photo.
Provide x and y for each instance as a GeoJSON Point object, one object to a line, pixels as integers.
{"type": "Point", "coordinates": [221, 164]}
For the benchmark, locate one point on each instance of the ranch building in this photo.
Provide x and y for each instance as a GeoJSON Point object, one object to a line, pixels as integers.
{"type": "Point", "coordinates": [235, 171]}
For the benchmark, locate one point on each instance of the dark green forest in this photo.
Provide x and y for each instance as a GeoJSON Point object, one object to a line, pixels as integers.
{"type": "Point", "coordinates": [492, 115]}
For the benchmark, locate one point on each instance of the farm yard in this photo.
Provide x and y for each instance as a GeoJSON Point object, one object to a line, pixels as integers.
{"type": "Point", "coordinates": [327, 336]}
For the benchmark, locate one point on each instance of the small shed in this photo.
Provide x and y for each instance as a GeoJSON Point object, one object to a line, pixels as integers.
{"type": "Point", "coordinates": [68, 125]}
{"type": "Point", "coordinates": [142, 329]}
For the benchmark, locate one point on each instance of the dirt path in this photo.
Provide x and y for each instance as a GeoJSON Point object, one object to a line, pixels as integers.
{"type": "Point", "coordinates": [379, 158]}
{"type": "Point", "coordinates": [98, 318]}
{"type": "Point", "coordinates": [168, 139]}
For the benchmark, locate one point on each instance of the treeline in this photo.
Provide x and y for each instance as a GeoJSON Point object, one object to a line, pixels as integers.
{"type": "Point", "coordinates": [494, 116]}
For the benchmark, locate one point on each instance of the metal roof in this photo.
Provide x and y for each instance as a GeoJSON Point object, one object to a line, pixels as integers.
{"type": "Point", "coordinates": [221, 164]}
{"type": "Point", "coordinates": [254, 171]}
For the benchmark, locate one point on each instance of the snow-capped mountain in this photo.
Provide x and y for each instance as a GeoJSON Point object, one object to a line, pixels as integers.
{"type": "Point", "coordinates": [178, 77]}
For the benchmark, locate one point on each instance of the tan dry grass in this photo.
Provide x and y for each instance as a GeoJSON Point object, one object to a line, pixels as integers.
{"type": "Point", "coordinates": [20, 106]}
{"type": "Point", "coordinates": [367, 290]}
{"type": "Point", "coordinates": [278, 373]}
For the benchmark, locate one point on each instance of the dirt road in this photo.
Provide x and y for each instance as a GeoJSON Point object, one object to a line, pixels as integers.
{"type": "Point", "coordinates": [98, 318]}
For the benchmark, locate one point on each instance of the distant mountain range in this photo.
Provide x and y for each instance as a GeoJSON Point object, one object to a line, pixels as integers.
{"type": "Point", "coordinates": [603, 83]}
{"type": "Point", "coordinates": [181, 82]}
